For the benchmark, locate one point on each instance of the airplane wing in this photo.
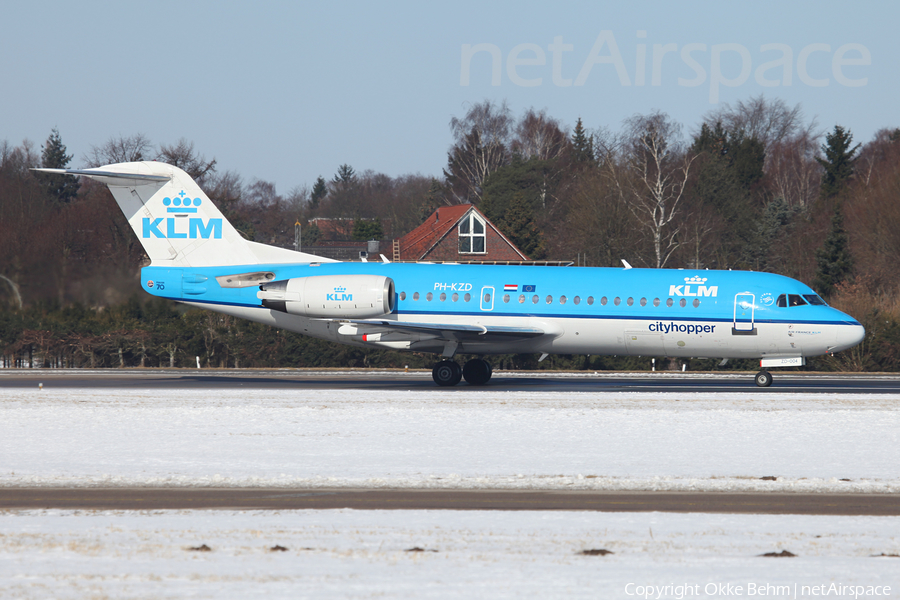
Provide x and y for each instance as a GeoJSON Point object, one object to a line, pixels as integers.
{"type": "Point", "coordinates": [454, 332]}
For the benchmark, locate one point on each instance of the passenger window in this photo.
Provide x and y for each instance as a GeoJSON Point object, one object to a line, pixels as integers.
{"type": "Point", "coordinates": [643, 302]}
{"type": "Point", "coordinates": [416, 296]}
{"type": "Point", "coordinates": [443, 297]}
{"type": "Point", "coordinates": [562, 299]}
{"type": "Point", "coordinates": [535, 299]}
{"type": "Point", "coordinates": [796, 300]}
{"type": "Point", "coordinates": [576, 300]}
{"type": "Point", "coordinates": [669, 302]}
{"type": "Point", "coordinates": [487, 298]}
{"type": "Point", "coordinates": [696, 302]}
{"type": "Point", "coordinates": [656, 302]}
{"type": "Point", "coordinates": [455, 297]}
{"type": "Point", "coordinates": [682, 303]}
{"type": "Point", "coordinates": [617, 301]}
{"type": "Point", "coordinates": [603, 301]}
{"type": "Point", "coordinates": [549, 299]}
{"type": "Point", "coordinates": [781, 302]}
{"type": "Point", "coordinates": [467, 297]}
{"type": "Point", "coordinates": [590, 300]}
{"type": "Point", "coordinates": [403, 295]}
{"type": "Point", "coordinates": [505, 298]}
{"type": "Point", "coordinates": [521, 298]}
{"type": "Point", "coordinates": [630, 301]}
{"type": "Point", "coordinates": [429, 296]}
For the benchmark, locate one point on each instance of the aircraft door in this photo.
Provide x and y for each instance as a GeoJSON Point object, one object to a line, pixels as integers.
{"type": "Point", "coordinates": [743, 314]}
{"type": "Point", "coordinates": [487, 298]}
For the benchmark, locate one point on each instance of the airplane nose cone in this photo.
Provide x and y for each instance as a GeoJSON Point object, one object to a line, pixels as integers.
{"type": "Point", "coordinates": [848, 336]}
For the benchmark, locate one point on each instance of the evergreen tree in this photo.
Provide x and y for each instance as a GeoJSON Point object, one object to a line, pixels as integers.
{"type": "Point", "coordinates": [514, 197]}
{"type": "Point", "coordinates": [833, 258]}
{"type": "Point", "coordinates": [519, 226]}
{"type": "Point", "coordinates": [319, 192]}
{"type": "Point", "coordinates": [345, 177]}
{"type": "Point", "coordinates": [433, 199]}
{"type": "Point", "coordinates": [730, 168]}
{"type": "Point", "coordinates": [367, 229]}
{"type": "Point", "coordinates": [53, 156]}
{"type": "Point", "coordinates": [775, 219]}
{"type": "Point", "coordinates": [838, 162]}
{"type": "Point", "coordinates": [582, 145]}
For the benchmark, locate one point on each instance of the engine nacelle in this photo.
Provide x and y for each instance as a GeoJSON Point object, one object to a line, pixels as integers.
{"type": "Point", "coordinates": [330, 296]}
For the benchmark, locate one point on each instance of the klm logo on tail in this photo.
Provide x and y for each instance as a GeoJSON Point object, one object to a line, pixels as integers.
{"type": "Point", "coordinates": [179, 227]}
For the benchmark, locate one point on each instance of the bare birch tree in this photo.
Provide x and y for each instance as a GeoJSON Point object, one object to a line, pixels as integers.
{"type": "Point", "coordinates": [651, 178]}
{"type": "Point", "coordinates": [481, 147]}
{"type": "Point", "coordinates": [539, 136]}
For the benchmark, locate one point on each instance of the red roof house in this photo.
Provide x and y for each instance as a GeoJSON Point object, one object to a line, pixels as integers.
{"type": "Point", "coordinates": [458, 233]}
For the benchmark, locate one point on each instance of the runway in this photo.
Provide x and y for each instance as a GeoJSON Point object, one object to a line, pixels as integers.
{"type": "Point", "coordinates": [544, 381]}
{"type": "Point", "coordinates": [501, 500]}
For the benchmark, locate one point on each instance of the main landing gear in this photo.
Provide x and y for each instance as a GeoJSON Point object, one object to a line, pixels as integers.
{"type": "Point", "coordinates": [763, 378]}
{"type": "Point", "coordinates": [448, 373]}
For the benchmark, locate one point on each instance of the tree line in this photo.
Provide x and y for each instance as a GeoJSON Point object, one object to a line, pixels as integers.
{"type": "Point", "coordinates": [755, 185]}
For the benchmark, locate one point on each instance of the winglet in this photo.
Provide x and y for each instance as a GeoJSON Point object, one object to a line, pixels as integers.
{"type": "Point", "coordinates": [625, 262]}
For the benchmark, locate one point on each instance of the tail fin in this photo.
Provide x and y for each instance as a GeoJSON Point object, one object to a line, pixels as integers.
{"type": "Point", "coordinates": [176, 222]}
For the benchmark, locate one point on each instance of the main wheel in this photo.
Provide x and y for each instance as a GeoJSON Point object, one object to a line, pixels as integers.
{"type": "Point", "coordinates": [446, 373]}
{"type": "Point", "coordinates": [477, 371]}
{"type": "Point", "coordinates": [763, 379]}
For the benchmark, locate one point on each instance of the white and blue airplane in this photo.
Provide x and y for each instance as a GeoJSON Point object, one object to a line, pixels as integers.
{"type": "Point", "coordinates": [197, 257]}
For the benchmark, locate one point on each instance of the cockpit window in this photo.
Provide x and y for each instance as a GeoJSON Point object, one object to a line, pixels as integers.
{"type": "Point", "coordinates": [814, 300]}
{"type": "Point", "coordinates": [785, 300]}
{"type": "Point", "coordinates": [796, 300]}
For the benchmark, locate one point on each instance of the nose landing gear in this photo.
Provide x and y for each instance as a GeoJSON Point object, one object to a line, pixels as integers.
{"type": "Point", "coordinates": [763, 378]}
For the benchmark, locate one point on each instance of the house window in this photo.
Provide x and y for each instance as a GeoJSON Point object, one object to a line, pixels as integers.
{"type": "Point", "coordinates": [471, 235]}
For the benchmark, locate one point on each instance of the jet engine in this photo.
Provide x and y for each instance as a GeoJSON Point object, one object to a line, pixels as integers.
{"type": "Point", "coordinates": [330, 296]}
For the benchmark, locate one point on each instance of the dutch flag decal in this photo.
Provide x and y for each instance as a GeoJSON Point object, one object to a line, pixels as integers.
{"type": "Point", "coordinates": [510, 287]}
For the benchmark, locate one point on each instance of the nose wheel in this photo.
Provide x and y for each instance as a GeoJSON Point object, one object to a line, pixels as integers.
{"type": "Point", "coordinates": [763, 379]}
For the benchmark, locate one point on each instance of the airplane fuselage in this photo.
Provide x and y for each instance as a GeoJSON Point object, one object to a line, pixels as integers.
{"type": "Point", "coordinates": [579, 310]}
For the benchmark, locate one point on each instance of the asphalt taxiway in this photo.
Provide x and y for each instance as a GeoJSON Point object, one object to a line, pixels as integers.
{"type": "Point", "coordinates": [544, 381]}
{"type": "Point", "coordinates": [413, 499]}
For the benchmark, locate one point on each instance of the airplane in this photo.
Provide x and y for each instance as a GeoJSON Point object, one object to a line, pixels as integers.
{"type": "Point", "coordinates": [198, 258]}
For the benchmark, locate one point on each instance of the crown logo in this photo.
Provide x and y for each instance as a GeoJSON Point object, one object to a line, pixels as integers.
{"type": "Point", "coordinates": [695, 279]}
{"type": "Point", "coordinates": [181, 204]}
{"type": "Point", "coordinates": [340, 290]}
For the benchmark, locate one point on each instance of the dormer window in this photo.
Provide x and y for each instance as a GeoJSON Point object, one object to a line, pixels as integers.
{"type": "Point", "coordinates": [471, 235]}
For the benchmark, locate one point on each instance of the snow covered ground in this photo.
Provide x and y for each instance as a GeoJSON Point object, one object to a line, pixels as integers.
{"type": "Point", "coordinates": [459, 439]}
{"type": "Point", "coordinates": [364, 554]}
{"type": "Point", "coordinates": [446, 439]}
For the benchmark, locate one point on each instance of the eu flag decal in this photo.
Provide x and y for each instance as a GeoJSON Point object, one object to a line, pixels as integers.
{"type": "Point", "coordinates": [528, 288]}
